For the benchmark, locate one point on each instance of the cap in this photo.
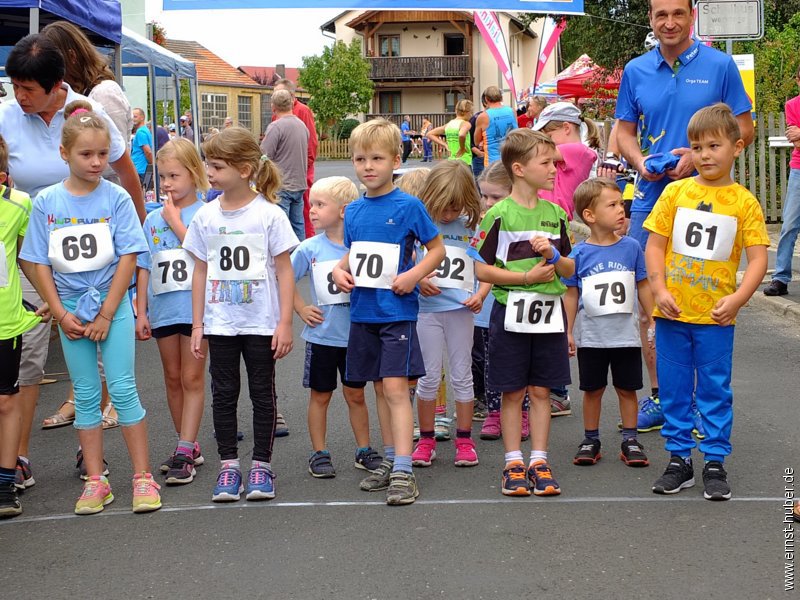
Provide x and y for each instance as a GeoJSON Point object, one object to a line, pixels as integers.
{"type": "Point", "coordinates": [558, 111]}
{"type": "Point", "coordinates": [183, 118]}
{"type": "Point", "coordinates": [172, 126]}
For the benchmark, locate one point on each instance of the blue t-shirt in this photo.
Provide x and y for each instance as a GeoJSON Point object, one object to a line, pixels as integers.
{"type": "Point", "coordinates": [607, 331]}
{"type": "Point", "coordinates": [335, 329]}
{"type": "Point", "coordinates": [394, 218]}
{"type": "Point", "coordinates": [168, 308]}
{"type": "Point", "coordinates": [404, 129]}
{"type": "Point", "coordinates": [455, 234]}
{"type": "Point", "coordinates": [665, 100]}
{"type": "Point", "coordinates": [482, 318]}
{"type": "Point", "coordinates": [141, 138]}
{"type": "Point", "coordinates": [56, 208]}
{"type": "Point", "coordinates": [502, 119]}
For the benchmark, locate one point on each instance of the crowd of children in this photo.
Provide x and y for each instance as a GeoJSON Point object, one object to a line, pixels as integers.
{"type": "Point", "coordinates": [482, 276]}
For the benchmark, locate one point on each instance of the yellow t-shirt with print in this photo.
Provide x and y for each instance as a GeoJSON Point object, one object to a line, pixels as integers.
{"type": "Point", "coordinates": [697, 284]}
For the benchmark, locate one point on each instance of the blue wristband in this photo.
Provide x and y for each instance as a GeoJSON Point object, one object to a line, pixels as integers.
{"type": "Point", "coordinates": [556, 257]}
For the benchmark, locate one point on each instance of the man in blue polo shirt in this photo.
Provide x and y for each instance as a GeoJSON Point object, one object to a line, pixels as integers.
{"type": "Point", "coordinates": [659, 93]}
{"type": "Point", "coordinates": [661, 90]}
{"type": "Point", "coordinates": [141, 146]}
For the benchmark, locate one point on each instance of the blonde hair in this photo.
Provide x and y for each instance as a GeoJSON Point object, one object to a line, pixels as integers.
{"type": "Point", "coordinates": [413, 181]}
{"type": "Point", "coordinates": [588, 193]}
{"type": "Point", "coordinates": [450, 185]}
{"type": "Point", "coordinates": [496, 174]}
{"type": "Point", "coordinates": [717, 118]}
{"type": "Point", "coordinates": [376, 134]}
{"type": "Point", "coordinates": [85, 119]}
{"type": "Point", "coordinates": [236, 146]}
{"type": "Point", "coordinates": [341, 189]}
{"type": "Point", "coordinates": [3, 155]}
{"type": "Point", "coordinates": [521, 145]}
{"type": "Point", "coordinates": [464, 108]}
{"type": "Point", "coordinates": [592, 131]}
{"type": "Point", "coordinates": [183, 151]}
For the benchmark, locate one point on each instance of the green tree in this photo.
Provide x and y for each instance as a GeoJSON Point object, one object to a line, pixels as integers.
{"type": "Point", "coordinates": [339, 83]}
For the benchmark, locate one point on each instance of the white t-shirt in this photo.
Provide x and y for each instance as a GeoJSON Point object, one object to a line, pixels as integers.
{"type": "Point", "coordinates": [241, 306]}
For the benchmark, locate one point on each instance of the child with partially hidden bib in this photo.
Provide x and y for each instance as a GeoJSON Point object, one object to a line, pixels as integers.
{"type": "Point", "coordinates": [602, 317]}
{"type": "Point", "coordinates": [698, 230]}
{"type": "Point", "coordinates": [327, 329]}
{"type": "Point", "coordinates": [164, 297]}
{"type": "Point", "coordinates": [242, 291]}
{"type": "Point", "coordinates": [84, 237]}
{"type": "Point", "coordinates": [380, 231]}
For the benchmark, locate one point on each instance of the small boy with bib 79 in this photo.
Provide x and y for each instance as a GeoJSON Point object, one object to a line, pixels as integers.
{"type": "Point", "coordinates": [698, 230]}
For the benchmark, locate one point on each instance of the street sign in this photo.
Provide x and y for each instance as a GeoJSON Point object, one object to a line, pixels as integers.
{"type": "Point", "coordinates": [730, 19]}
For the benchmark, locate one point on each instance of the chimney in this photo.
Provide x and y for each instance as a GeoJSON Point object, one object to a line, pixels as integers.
{"type": "Point", "coordinates": [281, 71]}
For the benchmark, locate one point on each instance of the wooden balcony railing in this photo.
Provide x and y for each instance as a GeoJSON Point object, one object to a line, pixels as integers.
{"type": "Point", "coordinates": [399, 68]}
{"type": "Point", "coordinates": [437, 119]}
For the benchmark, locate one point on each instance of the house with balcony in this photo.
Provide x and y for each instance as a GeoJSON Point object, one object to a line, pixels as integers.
{"type": "Point", "coordinates": [424, 62]}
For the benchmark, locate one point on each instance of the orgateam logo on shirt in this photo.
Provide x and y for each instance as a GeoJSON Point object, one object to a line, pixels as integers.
{"type": "Point", "coordinates": [53, 220]}
{"type": "Point", "coordinates": [691, 81]}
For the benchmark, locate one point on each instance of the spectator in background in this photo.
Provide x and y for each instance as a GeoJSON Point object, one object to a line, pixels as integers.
{"type": "Point", "coordinates": [141, 146]}
{"type": "Point", "coordinates": [492, 126]}
{"type": "Point", "coordinates": [187, 130]}
{"type": "Point", "coordinates": [227, 123]}
{"type": "Point", "coordinates": [286, 144]}
{"type": "Point", "coordinates": [302, 112]}
{"type": "Point", "coordinates": [533, 109]}
{"type": "Point", "coordinates": [162, 137]}
{"type": "Point", "coordinates": [405, 136]}
{"type": "Point", "coordinates": [477, 151]}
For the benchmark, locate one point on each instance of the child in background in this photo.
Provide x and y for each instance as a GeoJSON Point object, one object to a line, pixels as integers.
{"type": "Point", "coordinates": [15, 319]}
{"type": "Point", "coordinates": [242, 291]}
{"type": "Point", "coordinates": [164, 299]}
{"type": "Point", "coordinates": [445, 310]}
{"type": "Point", "coordinates": [380, 231]}
{"type": "Point", "coordinates": [427, 146]}
{"type": "Point", "coordinates": [84, 237]}
{"type": "Point", "coordinates": [327, 328]}
{"type": "Point", "coordinates": [603, 319]}
{"type": "Point", "coordinates": [698, 230]}
{"type": "Point", "coordinates": [521, 248]}
{"type": "Point", "coordinates": [495, 186]}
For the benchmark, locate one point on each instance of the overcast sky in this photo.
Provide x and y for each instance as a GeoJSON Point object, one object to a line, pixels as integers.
{"type": "Point", "coordinates": [248, 37]}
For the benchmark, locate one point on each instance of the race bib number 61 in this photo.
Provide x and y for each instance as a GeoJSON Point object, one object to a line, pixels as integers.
{"type": "Point", "coordinates": [704, 235]}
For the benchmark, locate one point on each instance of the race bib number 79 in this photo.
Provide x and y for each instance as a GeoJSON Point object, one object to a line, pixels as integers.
{"type": "Point", "coordinates": [608, 293]}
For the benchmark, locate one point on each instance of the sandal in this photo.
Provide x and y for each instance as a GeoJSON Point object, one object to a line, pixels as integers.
{"type": "Point", "coordinates": [109, 422]}
{"type": "Point", "coordinates": [58, 419]}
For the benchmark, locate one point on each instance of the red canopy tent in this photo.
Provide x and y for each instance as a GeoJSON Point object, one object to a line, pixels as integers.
{"type": "Point", "coordinates": [582, 79]}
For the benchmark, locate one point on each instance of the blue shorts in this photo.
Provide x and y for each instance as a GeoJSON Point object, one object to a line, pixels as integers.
{"type": "Point", "coordinates": [519, 360]}
{"type": "Point", "coordinates": [321, 366]}
{"type": "Point", "coordinates": [378, 350]}
{"type": "Point", "coordinates": [636, 229]}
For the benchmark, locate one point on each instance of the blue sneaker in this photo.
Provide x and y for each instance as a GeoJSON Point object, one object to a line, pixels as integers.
{"type": "Point", "coordinates": [260, 484]}
{"type": "Point", "coordinates": [698, 430]}
{"type": "Point", "coordinates": [650, 416]}
{"type": "Point", "coordinates": [229, 486]}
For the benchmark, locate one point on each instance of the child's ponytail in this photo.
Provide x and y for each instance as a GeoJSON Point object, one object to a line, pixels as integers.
{"type": "Point", "coordinates": [592, 134]}
{"type": "Point", "coordinates": [267, 179]}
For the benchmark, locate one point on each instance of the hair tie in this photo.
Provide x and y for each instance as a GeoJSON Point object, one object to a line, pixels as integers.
{"type": "Point", "coordinates": [264, 158]}
{"type": "Point", "coordinates": [78, 111]}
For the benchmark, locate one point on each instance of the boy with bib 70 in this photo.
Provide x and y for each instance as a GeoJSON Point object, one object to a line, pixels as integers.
{"type": "Point", "coordinates": [380, 230]}
{"type": "Point", "coordinates": [699, 227]}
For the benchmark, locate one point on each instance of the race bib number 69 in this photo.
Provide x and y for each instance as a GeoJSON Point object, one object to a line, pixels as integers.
{"type": "Point", "coordinates": [81, 248]}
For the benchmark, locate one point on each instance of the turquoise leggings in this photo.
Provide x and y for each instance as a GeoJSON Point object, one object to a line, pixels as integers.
{"type": "Point", "coordinates": [118, 354]}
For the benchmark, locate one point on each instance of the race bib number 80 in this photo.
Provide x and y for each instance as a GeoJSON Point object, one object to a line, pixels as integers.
{"type": "Point", "coordinates": [81, 248]}
{"type": "Point", "coordinates": [374, 264]}
{"type": "Point", "coordinates": [704, 235]}
{"type": "Point", "coordinates": [237, 257]}
{"type": "Point", "coordinates": [530, 312]}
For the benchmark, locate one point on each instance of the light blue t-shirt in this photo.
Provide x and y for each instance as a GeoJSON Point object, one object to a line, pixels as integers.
{"type": "Point", "coordinates": [502, 119]}
{"type": "Point", "coordinates": [482, 318]}
{"type": "Point", "coordinates": [457, 235]}
{"type": "Point", "coordinates": [404, 129]}
{"type": "Point", "coordinates": [607, 331]}
{"type": "Point", "coordinates": [394, 218]}
{"type": "Point", "coordinates": [665, 99]}
{"type": "Point", "coordinates": [169, 308]}
{"type": "Point", "coordinates": [33, 157]}
{"type": "Point", "coordinates": [335, 329]}
{"type": "Point", "coordinates": [141, 138]}
{"type": "Point", "coordinates": [55, 208]}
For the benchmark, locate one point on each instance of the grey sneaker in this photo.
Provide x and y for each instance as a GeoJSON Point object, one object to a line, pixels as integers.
{"type": "Point", "coordinates": [379, 479]}
{"type": "Point", "coordinates": [402, 489]}
{"type": "Point", "coordinates": [560, 405]}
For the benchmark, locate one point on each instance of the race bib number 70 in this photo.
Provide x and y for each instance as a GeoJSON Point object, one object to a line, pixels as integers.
{"type": "Point", "coordinates": [374, 264]}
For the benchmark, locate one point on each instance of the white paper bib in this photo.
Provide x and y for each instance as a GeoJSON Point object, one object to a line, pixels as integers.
{"type": "Point", "coordinates": [172, 271]}
{"type": "Point", "coordinates": [374, 264]}
{"type": "Point", "coordinates": [326, 290]}
{"type": "Point", "coordinates": [456, 271]}
{"type": "Point", "coordinates": [531, 312]}
{"type": "Point", "coordinates": [81, 248]}
{"type": "Point", "coordinates": [237, 257]}
{"type": "Point", "coordinates": [608, 293]}
{"type": "Point", "coordinates": [704, 235]}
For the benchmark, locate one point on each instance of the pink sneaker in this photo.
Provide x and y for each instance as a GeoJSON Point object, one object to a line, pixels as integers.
{"type": "Point", "coordinates": [96, 494]}
{"type": "Point", "coordinates": [145, 493]}
{"type": "Point", "coordinates": [490, 430]}
{"type": "Point", "coordinates": [526, 425]}
{"type": "Point", "coordinates": [425, 453]}
{"type": "Point", "coordinates": [465, 453]}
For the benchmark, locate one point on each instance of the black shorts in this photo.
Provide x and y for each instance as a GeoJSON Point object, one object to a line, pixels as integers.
{"type": "Point", "coordinates": [321, 365]}
{"type": "Point", "coordinates": [10, 355]}
{"type": "Point", "coordinates": [625, 363]}
{"type": "Point", "coordinates": [378, 350]}
{"type": "Point", "coordinates": [184, 329]}
{"type": "Point", "coordinates": [519, 360]}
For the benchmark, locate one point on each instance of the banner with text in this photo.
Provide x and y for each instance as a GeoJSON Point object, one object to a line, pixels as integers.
{"type": "Point", "coordinates": [492, 34]}
{"type": "Point", "coordinates": [571, 7]}
{"type": "Point", "coordinates": [551, 31]}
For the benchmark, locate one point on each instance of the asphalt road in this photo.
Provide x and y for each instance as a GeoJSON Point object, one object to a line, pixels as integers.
{"type": "Point", "coordinates": [606, 536]}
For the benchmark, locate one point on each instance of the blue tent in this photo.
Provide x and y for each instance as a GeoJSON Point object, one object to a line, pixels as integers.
{"type": "Point", "coordinates": [102, 18]}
